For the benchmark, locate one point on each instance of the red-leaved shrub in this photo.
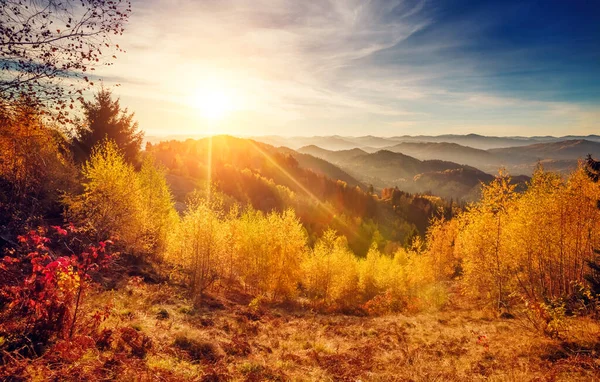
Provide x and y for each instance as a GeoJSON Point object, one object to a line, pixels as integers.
{"type": "Point", "coordinates": [42, 282]}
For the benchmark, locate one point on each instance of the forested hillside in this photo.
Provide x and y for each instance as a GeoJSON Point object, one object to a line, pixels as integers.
{"type": "Point", "coordinates": [385, 168]}
{"type": "Point", "coordinates": [271, 179]}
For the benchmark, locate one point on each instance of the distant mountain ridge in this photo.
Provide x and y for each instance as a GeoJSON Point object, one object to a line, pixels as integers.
{"type": "Point", "coordinates": [443, 150]}
{"type": "Point", "coordinates": [371, 143]}
{"type": "Point", "coordinates": [331, 155]}
{"type": "Point", "coordinates": [558, 156]}
{"type": "Point", "coordinates": [561, 150]}
{"type": "Point", "coordinates": [386, 168]}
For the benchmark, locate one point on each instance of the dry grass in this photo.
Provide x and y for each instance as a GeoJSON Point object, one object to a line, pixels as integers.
{"type": "Point", "coordinates": [158, 335]}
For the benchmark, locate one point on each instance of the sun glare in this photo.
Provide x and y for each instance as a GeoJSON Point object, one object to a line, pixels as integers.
{"type": "Point", "coordinates": [213, 104]}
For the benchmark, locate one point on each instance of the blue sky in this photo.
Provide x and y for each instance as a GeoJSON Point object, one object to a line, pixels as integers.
{"type": "Point", "coordinates": [545, 50]}
{"type": "Point", "coordinates": [354, 67]}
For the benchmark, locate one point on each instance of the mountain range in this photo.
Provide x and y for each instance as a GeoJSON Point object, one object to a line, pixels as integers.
{"type": "Point", "coordinates": [386, 168]}
{"type": "Point", "coordinates": [450, 166]}
{"type": "Point", "coordinates": [371, 143]}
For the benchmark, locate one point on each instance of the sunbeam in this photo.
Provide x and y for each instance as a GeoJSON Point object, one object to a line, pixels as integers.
{"type": "Point", "coordinates": [304, 189]}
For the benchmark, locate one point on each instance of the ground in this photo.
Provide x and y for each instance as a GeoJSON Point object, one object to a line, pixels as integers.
{"type": "Point", "coordinates": [156, 334]}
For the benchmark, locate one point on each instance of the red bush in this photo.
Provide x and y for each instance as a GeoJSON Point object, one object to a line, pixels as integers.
{"type": "Point", "coordinates": [42, 282]}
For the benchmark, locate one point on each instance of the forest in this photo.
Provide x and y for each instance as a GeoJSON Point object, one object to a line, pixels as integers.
{"type": "Point", "coordinates": [82, 214]}
{"type": "Point", "coordinates": [226, 258]}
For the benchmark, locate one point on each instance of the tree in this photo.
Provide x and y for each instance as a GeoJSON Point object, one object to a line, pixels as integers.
{"type": "Point", "coordinates": [45, 44]}
{"type": "Point", "coordinates": [270, 250]}
{"type": "Point", "coordinates": [111, 203]}
{"type": "Point", "coordinates": [331, 272]}
{"type": "Point", "coordinates": [104, 119]}
{"type": "Point", "coordinates": [592, 169]}
{"type": "Point", "coordinates": [483, 241]}
{"type": "Point", "coordinates": [158, 213]}
{"type": "Point", "coordinates": [201, 243]}
{"type": "Point", "coordinates": [533, 247]}
{"type": "Point", "coordinates": [441, 237]}
{"type": "Point", "coordinates": [30, 191]}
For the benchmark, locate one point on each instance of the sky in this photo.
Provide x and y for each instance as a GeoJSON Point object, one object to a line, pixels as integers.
{"type": "Point", "coordinates": [385, 68]}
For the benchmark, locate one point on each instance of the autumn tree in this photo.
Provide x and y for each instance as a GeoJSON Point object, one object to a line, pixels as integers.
{"type": "Point", "coordinates": [159, 217]}
{"type": "Point", "coordinates": [110, 203]}
{"type": "Point", "coordinates": [534, 248]}
{"type": "Point", "coordinates": [270, 250]}
{"type": "Point", "coordinates": [201, 242]}
{"type": "Point", "coordinates": [46, 44]}
{"type": "Point", "coordinates": [135, 207]}
{"type": "Point", "coordinates": [592, 169]}
{"type": "Point", "coordinates": [441, 240]}
{"type": "Point", "coordinates": [35, 168]}
{"type": "Point", "coordinates": [483, 241]}
{"type": "Point", "coordinates": [105, 119]}
{"type": "Point", "coordinates": [331, 273]}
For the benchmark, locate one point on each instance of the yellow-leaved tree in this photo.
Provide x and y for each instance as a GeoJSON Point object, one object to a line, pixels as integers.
{"type": "Point", "coordinates": [269, 252]}
{"type": "Point", "coordinates": [110, 203]}
{"type": "Point", "coordinates": [331, 272]}
{"type": "Point", "coordinates": [483, 242]}
{"type": "Point", "coordinates": [441, 240]}
{"type": "Point", "coordinates": [159, 217]}
{"type": "Point", "coordinates": [532, 247]}
{"type": "Point", "coordinates": [134, 208]}
{"type": "Point", "coordinates": [201, 242]}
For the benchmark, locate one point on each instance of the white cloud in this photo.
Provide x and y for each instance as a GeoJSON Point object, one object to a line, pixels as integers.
{"type": "Point", "coordinates": [308, 63]}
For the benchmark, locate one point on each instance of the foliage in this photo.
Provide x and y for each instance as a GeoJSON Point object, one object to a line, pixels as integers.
{"type": "Point", "coordinates": [402, 282]}
{"type": "Point", "coordinates": [379, 283]}
{"type": "Point", "coordinates": [270, 179]}
{"type": "Point", "coordinates": [486, 257]}
{"type": "Point", "coordinates": [158, 214]}
{"type": "Point", "coordinates": [592, 169]}
{"type": "Point", "coordinates": [547, 317]}
{"type": "Point", "coordinates": [593, 277]}
{"type": "Point", "coordinates": [104, 119]}
{"type": "Point", "coordinates": [110, 203]}
{"type": "Point", "coordinates": [118, 202]}
{"type": "Point", "coordinates": [536, 246]}
{"type": "Point", "coordinates": [269, 255]}
{"type": "Point", "coordinates": [35, 169]}
{"type": "Point", "coordinates": [264, 252]}
{"type": "Point", "coordinates": [46, 44]}
{"type": "Point", "coordinates": [332, 271]}
{"type": "Point", "coordinates": [43, 284]}
{"type": "Point", "coordinates": [200, 243]}
{"type": "Point", "coordinates": [269, 250]}
{"type": "Point", "coordinates": [441, 240]}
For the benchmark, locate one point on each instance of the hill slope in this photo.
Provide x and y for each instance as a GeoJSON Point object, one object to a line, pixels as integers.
{"type": "Point", "coordinates": [339, 156]}
{"type": "Point", "coordinates": [269, 178]}
{"type": "Point", "coordinates": [452, 152]}
{"type": "Point", "coordinates": [385, 168]}
{"type": "Point", "coordinates": [322, 166]}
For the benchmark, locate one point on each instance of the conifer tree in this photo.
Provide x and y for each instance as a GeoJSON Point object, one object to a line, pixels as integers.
{"type": "Point", "coordinates": [105, 119]}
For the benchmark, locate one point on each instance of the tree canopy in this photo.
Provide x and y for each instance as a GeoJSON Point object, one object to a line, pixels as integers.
{"type": "Point", "coordinates": [105, 119]}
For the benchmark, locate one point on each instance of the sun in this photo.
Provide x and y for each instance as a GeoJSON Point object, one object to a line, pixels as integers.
{"type": "Point", "coordinates": [213, 104]}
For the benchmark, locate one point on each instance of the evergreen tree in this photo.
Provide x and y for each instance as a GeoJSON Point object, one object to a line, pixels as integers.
{"type": "Point", "coordinates": [104, 119]}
